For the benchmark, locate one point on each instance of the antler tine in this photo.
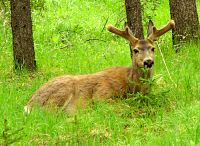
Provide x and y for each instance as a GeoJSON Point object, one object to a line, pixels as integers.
{"type": "Point", "coordinates": [156, 33]}
{"type": "Point", "coordinates": [127, 34]}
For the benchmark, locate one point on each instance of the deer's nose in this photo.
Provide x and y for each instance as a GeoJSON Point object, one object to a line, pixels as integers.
{"type": "Point", "coordinates": [148, 63]}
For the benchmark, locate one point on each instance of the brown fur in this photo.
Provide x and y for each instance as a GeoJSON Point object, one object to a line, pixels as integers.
{"type": "Point", "coordinates": [70, 92]}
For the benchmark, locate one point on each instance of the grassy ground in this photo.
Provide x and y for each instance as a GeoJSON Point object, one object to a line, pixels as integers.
{"type": "Point", "coordinates": [70, 38]}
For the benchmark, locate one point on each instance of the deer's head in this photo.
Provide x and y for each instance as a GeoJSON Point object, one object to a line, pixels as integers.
{"type": "Point", "coordinates": [143, 50]}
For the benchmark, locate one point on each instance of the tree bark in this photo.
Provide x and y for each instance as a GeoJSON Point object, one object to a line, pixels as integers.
{"type": "Point", "coordinates": [184, 13]}
{"type": "Point", "coordinates": [21, 23]}
{"type": "Point", "coordinates": [134, 18]}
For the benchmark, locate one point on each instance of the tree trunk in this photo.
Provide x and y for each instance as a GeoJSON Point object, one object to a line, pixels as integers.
{"type": "Point", "coordinates": [184, 13]}
{"type": "Point", "coordinates": [21, 23]}
{"type": "Point", "coordinates": [134, 18]}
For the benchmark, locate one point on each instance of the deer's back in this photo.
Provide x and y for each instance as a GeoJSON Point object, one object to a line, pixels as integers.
{"type": "Point", "coordinates": [66, 90]}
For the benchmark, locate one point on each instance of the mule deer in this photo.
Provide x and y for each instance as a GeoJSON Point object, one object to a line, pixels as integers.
{"type": "Point", "coordinates": [71, 92]}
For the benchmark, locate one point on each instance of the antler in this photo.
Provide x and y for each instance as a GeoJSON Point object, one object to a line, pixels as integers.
{"type": "Point", "coordinates": [127, 34]}
{"type": "Point", "coordinates": [156, 33]}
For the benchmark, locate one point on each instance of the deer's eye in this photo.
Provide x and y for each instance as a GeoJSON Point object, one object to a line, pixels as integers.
{"type": "Point", "coordinates": [136, 51]}
{"type": "Point", "coordinates": [152, 49]}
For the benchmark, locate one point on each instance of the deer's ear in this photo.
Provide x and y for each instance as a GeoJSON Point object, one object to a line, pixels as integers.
{"type": "Point", "coordinates": [150, 28]}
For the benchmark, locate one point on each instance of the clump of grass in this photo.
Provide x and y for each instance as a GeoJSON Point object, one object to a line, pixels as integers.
{"type": "Point", "coordinates": [9, 136]}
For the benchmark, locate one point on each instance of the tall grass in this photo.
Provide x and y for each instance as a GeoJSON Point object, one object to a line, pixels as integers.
{"type": "Point", "coordinates": [70, 38]}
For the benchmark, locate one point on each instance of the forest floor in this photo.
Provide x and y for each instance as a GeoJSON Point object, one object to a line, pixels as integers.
{"type": "Point", "coordinates": [70, 38]}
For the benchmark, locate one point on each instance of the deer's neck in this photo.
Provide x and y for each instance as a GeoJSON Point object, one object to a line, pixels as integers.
{"type": "Point", "coordinates": [137, 78]}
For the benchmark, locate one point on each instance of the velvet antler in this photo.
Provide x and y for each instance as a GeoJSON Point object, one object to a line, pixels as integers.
{"type": "Point", "coordinates": [127, 34]}
{"type": "Point", "coordinates": [158, 32]}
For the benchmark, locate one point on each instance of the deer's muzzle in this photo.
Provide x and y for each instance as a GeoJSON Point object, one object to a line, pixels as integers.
{"type": "Point", "coordinates": [148, 63]}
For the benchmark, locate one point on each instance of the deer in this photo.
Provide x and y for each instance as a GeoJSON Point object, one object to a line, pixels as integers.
{"type": "Point", "coordinates": [73, 92]}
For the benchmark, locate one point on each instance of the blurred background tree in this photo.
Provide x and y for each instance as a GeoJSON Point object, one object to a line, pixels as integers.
{"type": "Point", "coordinates": [134, 18]}
{"type": "Point", "coordinates": [184, 13]}
{"type": "Point", "coordinates": [23, 46]}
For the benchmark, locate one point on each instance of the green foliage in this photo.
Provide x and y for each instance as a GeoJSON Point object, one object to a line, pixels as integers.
{"type": "Point", "coordinates": [38, 4]}
{"type": "Point", "coordinates": [4, 6]}
{"type": "Point", "coordinates": [5, 9]}
{"type": "Point", "coordinates": [149, 8]}
{"type": "Point", "coordinates": [70, 38]}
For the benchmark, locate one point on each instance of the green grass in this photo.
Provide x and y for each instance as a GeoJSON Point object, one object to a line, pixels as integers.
{"type": "Point", "coordinates": [64, 34]}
